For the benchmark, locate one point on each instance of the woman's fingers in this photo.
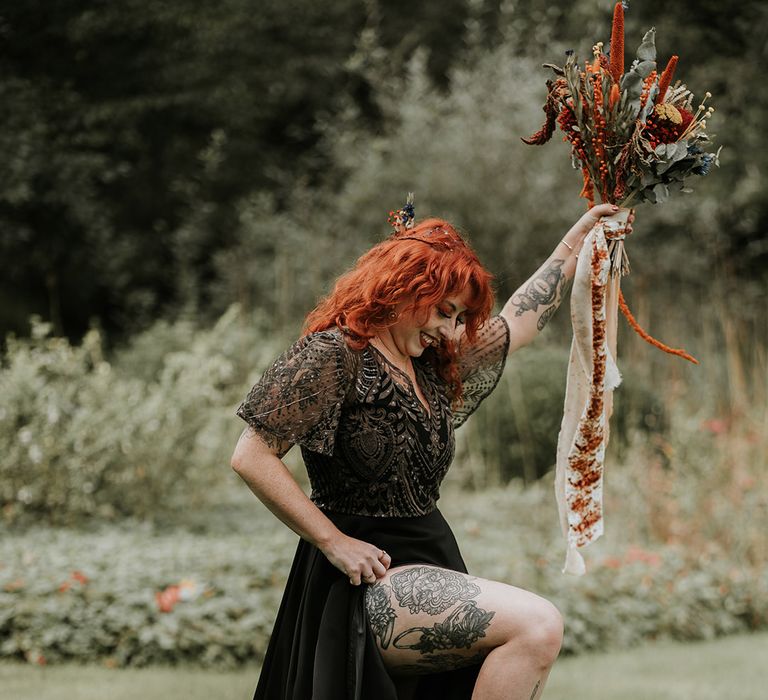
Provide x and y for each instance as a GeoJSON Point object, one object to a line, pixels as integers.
{"type": "Point", "coordinates": [595, 213]}
{"type": "Point", "coordinates": [370, 572]}
{"type": "Point", "coordinates": [367, 576]}
{"type": "Point", "coordinates": [363, 562]}
{"type": "Point", "coordinates": [602, 210]}
{"type": "Point", "coordinates": [379, 569]}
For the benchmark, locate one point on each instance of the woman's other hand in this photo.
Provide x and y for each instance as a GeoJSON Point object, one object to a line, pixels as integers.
{"type": "Point", "coordinates": [584, 225]}
{"type": "Point", "coordinates": [360, 561]}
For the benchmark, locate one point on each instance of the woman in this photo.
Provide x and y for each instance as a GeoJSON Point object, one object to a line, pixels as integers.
{"type": "Point", "coordinates": [378, 604]}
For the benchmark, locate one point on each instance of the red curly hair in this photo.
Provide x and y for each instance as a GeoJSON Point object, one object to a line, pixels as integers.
{"type": "Point", "coordinates": [427, 263]}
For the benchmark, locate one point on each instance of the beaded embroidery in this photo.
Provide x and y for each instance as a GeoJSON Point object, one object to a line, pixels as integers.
{"type": "Point", "coordinates": [369, 445]}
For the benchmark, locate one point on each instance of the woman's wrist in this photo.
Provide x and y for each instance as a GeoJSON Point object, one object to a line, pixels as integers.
{"type": "Point", "coordinates": [326, 539]}
{"type": "Point", "coordinates": [570, 243]}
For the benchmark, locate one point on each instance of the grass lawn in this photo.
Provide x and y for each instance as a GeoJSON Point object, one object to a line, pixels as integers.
{"type": "Point", "coordinates": [733, 667]}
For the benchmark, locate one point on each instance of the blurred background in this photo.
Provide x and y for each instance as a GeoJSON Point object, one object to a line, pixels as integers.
{"type": "Point", "coordinates": [181, 181]}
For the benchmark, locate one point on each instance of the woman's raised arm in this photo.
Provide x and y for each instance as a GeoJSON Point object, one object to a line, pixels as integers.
{"type": "Point", "coordinates": [534, 303]}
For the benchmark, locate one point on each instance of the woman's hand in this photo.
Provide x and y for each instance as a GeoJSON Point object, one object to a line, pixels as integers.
{"type": "Point", "coordinates": [360, 561]}
{"type": "Point", "coordinates": [578, 232]}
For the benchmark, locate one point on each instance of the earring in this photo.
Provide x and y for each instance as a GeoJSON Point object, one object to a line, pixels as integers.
{"type": "Point", "coordinates": [392, 315]}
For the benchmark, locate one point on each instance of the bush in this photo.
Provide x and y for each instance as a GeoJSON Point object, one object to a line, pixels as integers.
{"type": "Point", "coordinates": [80, 436]}
{"type": "Point", "coordinates": [88, 596]}
{"type": "Point", "coordinates": [70, 594]}
{"type": "Point", "coordinates": [514, 432]}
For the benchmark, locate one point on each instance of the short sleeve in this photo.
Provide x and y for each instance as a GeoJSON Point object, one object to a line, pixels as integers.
{"type": "Point", "coordinates": [480, 366]}
{"type": "Point", "coordinates": [300, 397]}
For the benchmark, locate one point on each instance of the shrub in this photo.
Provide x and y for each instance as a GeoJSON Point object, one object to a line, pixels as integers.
{"type": "Point", "coordinates": [98, 595]}
{"type": "Point", "coordinates": [81, 436]}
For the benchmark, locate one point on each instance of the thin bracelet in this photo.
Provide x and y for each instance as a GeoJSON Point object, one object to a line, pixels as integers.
{"type": "Point", "coordinates": [570, 247]}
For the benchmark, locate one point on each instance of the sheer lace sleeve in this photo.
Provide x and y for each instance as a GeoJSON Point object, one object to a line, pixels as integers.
{"type": "Point", "coordinates": [480, 366]}
{"type": "Point", "coordinates": [299, 398]}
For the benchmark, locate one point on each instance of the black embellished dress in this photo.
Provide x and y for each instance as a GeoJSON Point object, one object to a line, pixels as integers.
{"type": "Point", "coordinates": [375, 459]}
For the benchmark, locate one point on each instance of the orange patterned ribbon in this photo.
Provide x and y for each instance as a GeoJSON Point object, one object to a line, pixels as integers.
{"type": "Point", "coordinates": [592, 377]}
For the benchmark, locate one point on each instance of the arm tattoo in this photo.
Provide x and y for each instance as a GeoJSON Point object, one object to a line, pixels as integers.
{"type": "Point", "coordinates": [381, 615]}
{"type": "Point", "coordinates": [548, 287]}
{"type": "Point", "coordinates": [548, 313]}
{"type": "Point", "coordinates": [460, 630]}
{"type": "Point", "coordinates": [431, 590]}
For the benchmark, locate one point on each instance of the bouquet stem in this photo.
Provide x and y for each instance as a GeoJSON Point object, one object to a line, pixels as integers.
{"type": "Point", "coordinates": [615, 227]}
{"type": "Point", "coordinates": [619, 258]}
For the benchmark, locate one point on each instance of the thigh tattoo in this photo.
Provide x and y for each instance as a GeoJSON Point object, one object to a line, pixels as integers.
{"type": "Point", "coordinates": [381, 614]}
{"type": "Point", "coordinates": [460, 630]}
{"type": "Point", "coordinates": [430, 590]}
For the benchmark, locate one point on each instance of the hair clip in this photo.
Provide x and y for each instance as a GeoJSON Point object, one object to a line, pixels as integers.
{"type": "Point", "coordinates": [403, 219]}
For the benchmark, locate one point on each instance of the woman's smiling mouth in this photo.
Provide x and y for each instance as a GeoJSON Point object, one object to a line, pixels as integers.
{"type": "Point", "coordinates": [427, 340]}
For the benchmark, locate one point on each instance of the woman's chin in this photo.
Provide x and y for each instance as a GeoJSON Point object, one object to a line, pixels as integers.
{"type": "Point", "coordinates": [417, 350]}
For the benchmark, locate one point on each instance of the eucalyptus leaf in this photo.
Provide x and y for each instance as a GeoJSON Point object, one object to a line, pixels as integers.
{"type": "Point", "coordinates": [661, 192]}
{"type": "Point", "coordinates": [677, 151]}
{"type": "Point", "coordinates": [632, 84]}
{"type": "Point", "coordinates": [645, 68]}
{"type": "Point", "coordinates": [647, 49]}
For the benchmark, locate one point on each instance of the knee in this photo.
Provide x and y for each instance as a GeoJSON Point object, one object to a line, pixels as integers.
{"type": "Point", "coordinates": [542, 634]}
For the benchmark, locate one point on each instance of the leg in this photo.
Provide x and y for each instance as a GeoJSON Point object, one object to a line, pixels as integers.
{"type": "Point", "coordinates": [427, 619]}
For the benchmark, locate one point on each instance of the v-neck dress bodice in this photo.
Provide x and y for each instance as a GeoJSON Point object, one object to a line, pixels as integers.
{"type": "Point", "coordinates": [369, 444]}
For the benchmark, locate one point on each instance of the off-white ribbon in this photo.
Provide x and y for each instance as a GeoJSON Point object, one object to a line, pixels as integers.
{"type": "Point", "coordinates": [592, 377]}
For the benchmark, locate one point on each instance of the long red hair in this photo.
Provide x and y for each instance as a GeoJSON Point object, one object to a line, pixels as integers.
{"type": "Point", "coordinates": [424, 264]}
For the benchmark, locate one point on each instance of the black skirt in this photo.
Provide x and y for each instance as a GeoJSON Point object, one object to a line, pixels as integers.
{"type": "Point", "coordinates": [322, 647]}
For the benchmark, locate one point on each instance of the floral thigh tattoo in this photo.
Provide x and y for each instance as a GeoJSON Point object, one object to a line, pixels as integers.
{"type": "Point", "coordinates": [425, 589]}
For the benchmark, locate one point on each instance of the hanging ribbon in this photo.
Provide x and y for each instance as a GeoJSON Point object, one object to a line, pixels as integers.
{"type": "Point", "coordinates": [592, 377]}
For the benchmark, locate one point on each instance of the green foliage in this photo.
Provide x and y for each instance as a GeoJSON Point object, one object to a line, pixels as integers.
{"type": "Point", "coordinates": [514, 432]}
{"type": "Point", "coordinates": [683, 556]}
{"type": "Point", "coordinates": [125, 122]}
{"type": "Point", "coordinates": [81, 436]}
{"type": "Point", "coordinates": [125, 199]}
{"type": "Point", "coordinates": [88, 595]}
{"type": "Point", "coordinates": [93, 595]}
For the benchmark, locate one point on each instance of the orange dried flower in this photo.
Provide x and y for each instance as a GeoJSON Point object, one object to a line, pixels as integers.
{"type": "Point", "coordinates": [647, 337]}
{"type": "Point", "coordinates": [617, 43]}
{"type": "Point", "coordinates": [666, 79]}
{"type": "Point", "coordinates": [647, 84]}
{"type": "Point", "coordinates": [614, 96]}
{"type": "Point", "coordinates": [588, 191]}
